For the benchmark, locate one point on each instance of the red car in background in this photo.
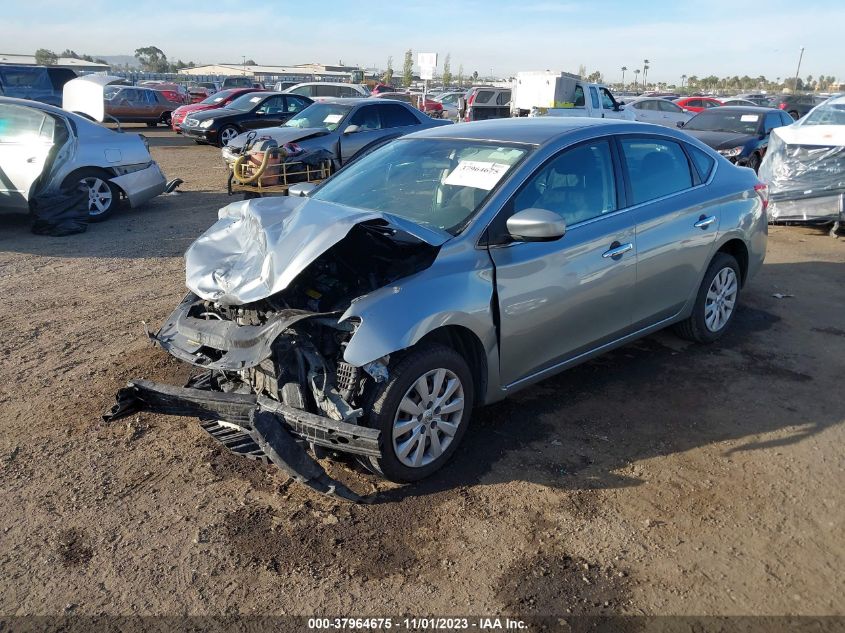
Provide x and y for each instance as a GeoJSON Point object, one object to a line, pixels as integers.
{"type": "Point", "coordinates": [217, 100]}
{"type": "Point", "coordinates": [434, 109]}
{"type": "Point", "coordinates": [697, 104]}
{"type": "Point", "coordinates": [198, 93]}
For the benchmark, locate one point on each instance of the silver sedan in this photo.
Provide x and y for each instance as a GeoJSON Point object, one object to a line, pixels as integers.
{"type": "Point", "coordinates": [448, 270]}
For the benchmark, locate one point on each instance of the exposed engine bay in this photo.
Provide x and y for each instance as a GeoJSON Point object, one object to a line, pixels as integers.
{"type": "Point", "coordinates": [289, 346]}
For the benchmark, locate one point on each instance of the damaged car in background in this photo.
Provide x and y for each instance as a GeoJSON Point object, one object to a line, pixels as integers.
{"type": "Point", "coordinates": [805, 167]}
{"type": "Point", "coordinates": [443, 271]}
{"type": "Point", "coordinates": [67, 169]}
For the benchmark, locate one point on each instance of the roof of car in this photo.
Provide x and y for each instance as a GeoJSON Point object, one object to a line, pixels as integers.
{"type": "Point", "coordinates": [532, 131]}
{"type": "Point", "coordinates": [742, 108]}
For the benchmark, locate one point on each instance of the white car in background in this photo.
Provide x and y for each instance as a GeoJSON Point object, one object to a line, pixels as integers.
{"type": "Point", "coordinates": [449, 101]}
{"type": "Point", "coordinates": [658, 111]}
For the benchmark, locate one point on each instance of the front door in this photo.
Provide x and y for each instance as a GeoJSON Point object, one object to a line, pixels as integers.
{"type": "Point", "coordinates": [560, 299]}
{"type": "Point", "coordinates": [26, 138]}
{"type": "Point", "coordinates": [368, 129]}
{"type": "Point", "coordinates": [270, 113]}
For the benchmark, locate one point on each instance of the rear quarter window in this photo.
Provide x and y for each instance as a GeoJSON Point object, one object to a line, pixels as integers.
{"type": "Point", "coordinates": [483, 96]}
{"type": "Point", "coordinates": [703, 162]}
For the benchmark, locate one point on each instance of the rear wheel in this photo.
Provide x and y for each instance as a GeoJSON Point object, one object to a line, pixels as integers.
{"type": "Point", "coordinates": [715, 304]}
{"type": "Point", "coordinates": [794, 114]}
{"type": "Point", "coordinates": [422, 411]}
{"type": "Point", "coordinates": [167, 118]}
{"type": "Point", "coordinates": [103, 196]}
{"type": "Point", "coordinates": [151, 124]}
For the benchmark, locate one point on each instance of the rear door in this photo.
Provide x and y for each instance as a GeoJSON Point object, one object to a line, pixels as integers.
{"type": "Point", "coordinates": [560, 299]}
{"type": "Point", "coordinates": [26, 138]}
{"type": "Point", "coordinates": [676, 223]}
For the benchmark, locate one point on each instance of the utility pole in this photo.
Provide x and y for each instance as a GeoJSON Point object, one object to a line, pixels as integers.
{"type": "Point", "coordinates": [243, 64]}
{"type": "Point", "coordinates": [798, 70]}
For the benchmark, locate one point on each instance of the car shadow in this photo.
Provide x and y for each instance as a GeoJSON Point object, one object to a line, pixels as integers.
{"type": "Point", "coordinates": [585, 428]}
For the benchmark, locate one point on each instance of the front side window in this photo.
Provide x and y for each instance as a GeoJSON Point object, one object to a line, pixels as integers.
{"type": "Point", "coordinates": [656, 168]}
{"type": "Point", "coordinates": [327, 91]}
{"type": "Point", "coordinates": [578, 185]}
{"type": "Point", "coordinates": [273, 105]}
{"type": "Point", "coordinates": [607, 100]}
{"type": "Point", "coordinates": [304, 91]}
{"type": "Point", "coordinates": [438, 183]}
{"type": "Point", "coordinates": [668, 106]}
{"type": "Point", "coordinates": [366, 119]}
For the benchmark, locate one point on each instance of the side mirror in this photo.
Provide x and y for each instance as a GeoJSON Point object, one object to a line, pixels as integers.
{"type": "Point", "coordinates": [680, 123]}
{"type": "Point", "coordinates": [351, 129]}
{"type": "Point", "coordinates": [301, 189]}
{"type": "Point", "coordinates": [536, 225]}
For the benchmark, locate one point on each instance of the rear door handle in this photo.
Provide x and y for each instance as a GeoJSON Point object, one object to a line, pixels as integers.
{"type": "Point", "coordinates": [705, 222]}
{"type": "Point", "coordinates": [617, 250]}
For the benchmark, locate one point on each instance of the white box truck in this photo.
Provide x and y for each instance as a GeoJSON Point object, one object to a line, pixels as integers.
{"type": "Point", "coordinates": [552, 93]}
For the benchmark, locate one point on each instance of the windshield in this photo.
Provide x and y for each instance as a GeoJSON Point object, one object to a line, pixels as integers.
{"type": "Point", "coordinates": [433, 182]}
{"type": "Point", "coordinates": [110, 91]}
{"type": "Point", "coordinates": [217, 97]}
{"type": "Point", "coordinates": [327, 115]}
{"type": "Point", "coordinates": [721, 121]}
{"type": "Point", "coordinates": [246, 102]}
{"type": "Point", "coordinates": [831, 114]}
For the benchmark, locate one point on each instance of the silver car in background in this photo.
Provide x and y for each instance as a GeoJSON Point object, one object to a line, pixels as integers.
{"type": "Point", "coordinates": [44, 148]}
{"type": "Point", "coordinates": [445, 271]}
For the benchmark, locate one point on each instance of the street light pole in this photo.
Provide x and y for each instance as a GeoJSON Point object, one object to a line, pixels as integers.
{"type": "Point", "coordinates": [798, 70]}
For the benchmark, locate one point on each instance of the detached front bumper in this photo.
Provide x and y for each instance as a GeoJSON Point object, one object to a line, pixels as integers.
{"type": "Point", "coordinates": [255, 427]}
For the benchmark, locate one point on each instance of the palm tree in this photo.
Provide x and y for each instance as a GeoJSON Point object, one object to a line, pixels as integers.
{"type": "Point", "coordinates": [683, 79]}
{"type": "Point", "coordinates": [636, 73]}
{"type": "Point", "coordinates": [645, 72]}
{"type": "Point", "coordinates": [624, 68]}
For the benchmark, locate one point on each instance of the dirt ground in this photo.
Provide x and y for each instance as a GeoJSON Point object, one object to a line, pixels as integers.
{"type": "Point", "coordinates": [665, 478]}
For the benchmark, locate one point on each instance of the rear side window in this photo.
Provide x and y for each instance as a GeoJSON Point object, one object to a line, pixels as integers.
{"type": "Point", "coordinates": [703, 162]}
{"type": "Point", "coordinates": [504, 97]}
{"type": "Point", "coordinates": [594, 98]}
{"type": "Point", "coordinates": [393, 115]}
{"type": "Point", "coordinates": [327, 91]}
{"type": "Point", "coordinates": [24, 125]}
{"type": "Point", "coordinates": [483, 96]}
{"type": "Point", "coordinates": [656, 168]}
{"type": "Point", "coordinates": [305, 91]}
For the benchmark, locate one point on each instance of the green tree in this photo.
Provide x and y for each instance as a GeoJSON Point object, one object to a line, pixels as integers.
{"type": "Point", "coordinates": [152, 59]}
{"type": "Point", "coordinates": [408, 68]}
{"type": "Point", "coordinates": [447, 70]}
{"type": "Point", "coordinates": [388, 74]}
{"type": "Point", "coordinates": [250, 62]}
{"type": "Point", "coordinates": [461, 76]}
{"type": "Point", "coordinates": [45, 57]}
{"type": "Point", "coordinates": [475, 75]}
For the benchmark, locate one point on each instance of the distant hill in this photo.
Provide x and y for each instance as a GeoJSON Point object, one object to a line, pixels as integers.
{"type": "Point", "coordinates": [120, 60]}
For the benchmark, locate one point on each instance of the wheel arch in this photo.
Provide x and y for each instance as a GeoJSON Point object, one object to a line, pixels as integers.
{"type": "Point", "coordinates": [469, 346]}
{"type": "Point", "coordinates": [107, 172]}
{"type": "Point", "coordinates": [739, 251]}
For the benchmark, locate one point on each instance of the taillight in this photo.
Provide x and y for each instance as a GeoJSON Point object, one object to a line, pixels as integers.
{"type": "Point", "coordinates": [762, 190]}
{"type": "Point", "coordinates": [782, 106]}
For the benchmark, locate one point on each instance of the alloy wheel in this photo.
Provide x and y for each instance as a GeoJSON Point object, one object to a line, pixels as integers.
{"type": "Point", "coordinates": [100, 196]}
{"type": "Point", "coordinates": [427, 418]}
{"type": "Point", "coordinates": [227, 134]}
{"type": "Point", "coordinates": [721, 299]}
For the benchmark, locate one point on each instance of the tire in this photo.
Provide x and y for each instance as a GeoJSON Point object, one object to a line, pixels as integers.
{"type": "Point", "coordinates": [151, 124]}
{"type": "Point", "coordinates": [102, 204]}
{"type": "Point", "coordinates": [167, 119]}
{"type": "Point", "coordinates": [438, 444]}
{"type": "Point", "coordinates": [226, 134]}
{"type": "Point", "coordinates": [711, 316]}
{"type": "Point", "coordinates": [754, 162]}
{"type": "Point", "coordinates": [794, 114]}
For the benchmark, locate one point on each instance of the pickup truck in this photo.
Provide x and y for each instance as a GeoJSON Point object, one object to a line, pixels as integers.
{"type": "Point", "coordinates": [547, 93]}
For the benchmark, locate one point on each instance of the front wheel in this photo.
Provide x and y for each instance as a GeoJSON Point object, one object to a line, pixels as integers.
{"type": "Point", "coordinates": [715, 304]}
{"type": "Point", "coordinates": [754, 162]}
{"type": "Point", "coordinates": [227, 133]}
{"type": "Point", "coordinates": [422, 411]}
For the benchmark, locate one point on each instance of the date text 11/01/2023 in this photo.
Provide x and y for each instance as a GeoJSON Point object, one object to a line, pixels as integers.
{"type": "Point", "coordinates": [418, 624]}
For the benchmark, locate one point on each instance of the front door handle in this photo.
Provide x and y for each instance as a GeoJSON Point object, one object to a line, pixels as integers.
{"type": "Point", "coordinates": [617, 250]}
{"type": "Point", "coordinates": [705, 222]}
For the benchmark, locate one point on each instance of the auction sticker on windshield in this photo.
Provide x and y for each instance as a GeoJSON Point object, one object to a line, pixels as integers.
{"type": "Point", "coordinates": [478, 174]}
{"type": "Point", "coordinates": [333, 118]}
{"type": "Point", "coordinates": [749, 118]}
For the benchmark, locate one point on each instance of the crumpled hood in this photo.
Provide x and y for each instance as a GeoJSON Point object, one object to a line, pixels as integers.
{"type": "Point", "coordinates": [257, 247]}
{"type": "Point", "coordinates": [720, 140]}
{"type": "Point", "coordinates": [281, 134]}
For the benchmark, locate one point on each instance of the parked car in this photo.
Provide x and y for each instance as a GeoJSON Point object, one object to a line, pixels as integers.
{"type": "Point", "coordinates": [736, 101]}
{"type": "Point", "coordinates": [46, 149]}
{"type": "Point", "coordinates": [212, 86]}
{"type": "Point", "coordinates": [133, 104]}
{"type": "Point", "coordinates": [805, 167]}
{"type": "Point", "coordinates": [281, 86]}
{"type": "Point", "coordinates": [219, 99]}
{"type": "Point", "coordinates": [444, 271]}
{"type": "Point", "coordinates": [173, 92]}
{"type": "Point", "coordinates": [739, 133]}
{"type": "Point", "coordinates": [237, 81]}
{"type": "Point", "coordinates": [450, 102]}
{"type": "Point", "coordinates": [796, 105]}
{"type": "Point", "coordinates": [379, 88]}
{"type": "Point", "coordinates": [249, 111]}
{"type": "Point", "coordinates": [198, 93]}
{"type": "Point", "coordinates": [697, 104]}
{"type": "Point", "coordinates": [317, 89]}
{"type": "Point", "coordinates": [756, 98]}
{"type": "Point", "coordinates": [483, 102]}
{"type": "Point", "coordinates": [658, 110]}
{"type": "Point", "coordinates": [345, 128]}
{"type": "Point", "coordinates": [38, 83]}
{"type": "Point", "coordinates": [430, 107]}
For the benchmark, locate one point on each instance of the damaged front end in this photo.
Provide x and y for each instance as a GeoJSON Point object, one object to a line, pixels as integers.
{"type": "Point", "coordinates": [275, 379]}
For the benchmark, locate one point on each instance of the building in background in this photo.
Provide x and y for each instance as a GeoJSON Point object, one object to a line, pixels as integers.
{"type": "Point", "coordinates": [270, 74]}
{"type": "Point", "coordinates": [80, 66]}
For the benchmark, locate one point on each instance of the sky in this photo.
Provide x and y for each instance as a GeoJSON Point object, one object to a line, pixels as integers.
{"type": "Point", "coordinates": [718, 37]}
